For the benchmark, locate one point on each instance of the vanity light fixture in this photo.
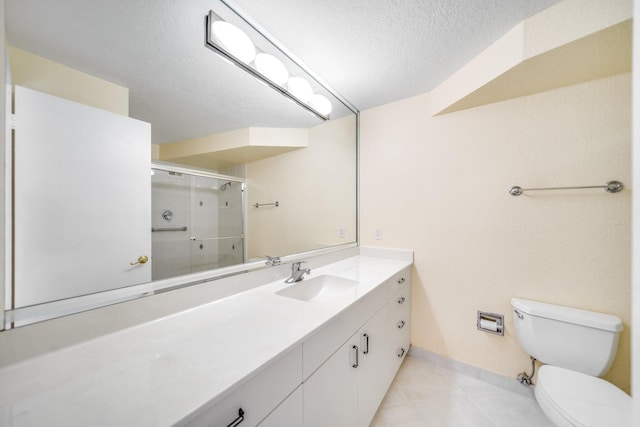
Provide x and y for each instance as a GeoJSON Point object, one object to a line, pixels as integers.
{"type": "Point", "coordinates": [233, 40]}
{"type": "Point", "coordinates": [234, 45]}
{"type": "Point", "coordinates": [272, 68]}
{"type": "Point", "coordinates": [320, 103]}
{"type": "Point", "coordinates": [300, 88]}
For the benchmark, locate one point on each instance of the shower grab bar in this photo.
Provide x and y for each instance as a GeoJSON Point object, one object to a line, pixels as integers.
{"type": "Point", "coordinates": [257, 205]}
{"type": "Point", "coordinates": [609, 187]}
{"type": "Point", "coordinates": [219, 238]}
{"type": "Point", "coordinates": [155, 230]}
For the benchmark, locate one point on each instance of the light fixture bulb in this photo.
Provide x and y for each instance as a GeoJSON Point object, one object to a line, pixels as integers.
{"type": "Point", "coordinates": [321, 104]}
{"type": "Point", "coordinates": [300, 88]}
{"type": "Point", "coordinates": [272, 68]}
{"type": "Point", "coordinates": [233, 40]}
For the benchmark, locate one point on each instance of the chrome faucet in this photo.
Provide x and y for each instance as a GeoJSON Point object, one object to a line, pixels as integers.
{"type": "Point", "coordinates": [297, 274]}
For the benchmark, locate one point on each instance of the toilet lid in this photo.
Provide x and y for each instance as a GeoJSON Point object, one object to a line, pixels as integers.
{"type": "Point", "coordinates": [584, 400]}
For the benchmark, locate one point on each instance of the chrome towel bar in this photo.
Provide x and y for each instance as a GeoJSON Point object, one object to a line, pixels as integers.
{"type": "Point", "coordinates": [257, 205]}
{"type": "Point", "coordinates": [609, 187]}
{"type": "Point", "coordinates": [154, 230]}
{"type": "Point", "coordinates": [241, 236]}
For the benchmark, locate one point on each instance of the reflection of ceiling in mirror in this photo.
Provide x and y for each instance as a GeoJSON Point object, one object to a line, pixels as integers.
{"type": "Point", "coordinates": [183, 89]}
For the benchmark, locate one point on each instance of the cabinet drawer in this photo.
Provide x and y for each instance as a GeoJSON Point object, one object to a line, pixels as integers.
{"type": "Point", "coordinates": [400, 301]}
{"type": "Point", "coordinates": [400, 325]}
{"type": "Point", "coordinates": [257, 397]}
{"type": "Point", "coordinates": [399, 280]}
{"type": "Point", "coordinates": [400, 336]}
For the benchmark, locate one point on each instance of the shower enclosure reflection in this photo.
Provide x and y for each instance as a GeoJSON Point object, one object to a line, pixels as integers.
{"type": "Point", "coordinates": [197, 221]}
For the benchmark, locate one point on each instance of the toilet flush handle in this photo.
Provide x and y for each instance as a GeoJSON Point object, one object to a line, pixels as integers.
{"type": "Point", "coordinates": [520, 316]}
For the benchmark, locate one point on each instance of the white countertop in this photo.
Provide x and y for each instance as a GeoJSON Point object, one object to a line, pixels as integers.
{"type": "Point", "coordinates": [159, 372]}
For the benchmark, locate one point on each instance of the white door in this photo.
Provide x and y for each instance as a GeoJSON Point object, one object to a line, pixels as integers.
{"type": "Point", "coordinates": [78, 229]}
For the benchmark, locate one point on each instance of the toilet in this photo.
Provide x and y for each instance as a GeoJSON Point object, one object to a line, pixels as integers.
{"type": "Point", "coordinates": [576, 346]}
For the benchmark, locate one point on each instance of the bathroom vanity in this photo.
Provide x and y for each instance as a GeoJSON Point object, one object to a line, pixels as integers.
{"type": "Point", "coordinates": [319, 352]}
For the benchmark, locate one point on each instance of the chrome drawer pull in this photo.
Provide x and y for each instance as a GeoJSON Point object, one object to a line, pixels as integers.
{"type": "Point", "coordinates": [401, 300]}
{"type": "Point", "coordinates": [401, 324]}
{"type": "Point", "coordinates": [401, 352]}
{"type": "Point", "coordinates": [401, 280]}
{"type": "Point", "coordinates": [366, 338]}
{"type": "Point", "coordinates": [238, 420]}
{"type": "Point", "coordinates": [355, 365]}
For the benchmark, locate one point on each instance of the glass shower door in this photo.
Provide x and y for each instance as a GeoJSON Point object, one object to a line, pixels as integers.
{"type": "Point", "coordinates": [198, 223]}
{"type": "Point", "coordinates": [171, 224]}
{"type": "Point", "coordinates": [217, 238]}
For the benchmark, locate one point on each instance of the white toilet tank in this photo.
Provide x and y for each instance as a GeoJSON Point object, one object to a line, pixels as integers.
{"type": "Point", "coordinates": [580, 340]}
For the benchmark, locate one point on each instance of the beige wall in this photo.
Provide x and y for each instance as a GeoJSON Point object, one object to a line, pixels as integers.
{"type": "Point", "coordinates": [439, 186]}
{"type": "Point", "coordinates": [38, 73]}
{"type": "Point", "coordinates": [635, 251]}
{"type": "Point", "coordinates": [316, 189]}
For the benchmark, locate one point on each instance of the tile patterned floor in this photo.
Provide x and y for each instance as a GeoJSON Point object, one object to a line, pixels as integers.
{"type": "Point", "coordinates": [426, 395]}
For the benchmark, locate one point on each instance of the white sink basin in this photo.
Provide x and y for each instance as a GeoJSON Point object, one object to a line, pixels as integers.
{"type": "Point", "coordinates": [320, 288]}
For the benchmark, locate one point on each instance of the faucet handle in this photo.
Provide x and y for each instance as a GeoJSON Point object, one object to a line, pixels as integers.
{"type": "Point", "coordinates": [272, 260]}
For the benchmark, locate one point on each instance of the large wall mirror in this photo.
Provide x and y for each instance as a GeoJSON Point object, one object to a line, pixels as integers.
{"type": "Point", "coordinates": [142, 160]}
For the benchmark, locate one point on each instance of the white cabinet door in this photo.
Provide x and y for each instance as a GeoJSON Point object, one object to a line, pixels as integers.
{"type": "Point", "coordinates": [331, 393]}
{"type": "Point", "coordinates": [375, 370]}
{"type": "Point", "coordinates": [82, 199]}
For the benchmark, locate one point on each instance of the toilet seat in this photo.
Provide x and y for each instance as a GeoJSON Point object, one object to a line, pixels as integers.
{"type": "Point", "coordinates": [571, 398]}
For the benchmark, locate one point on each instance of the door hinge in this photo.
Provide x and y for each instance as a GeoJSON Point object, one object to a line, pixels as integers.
{"type": "Point", "coordinates": [13, 121]}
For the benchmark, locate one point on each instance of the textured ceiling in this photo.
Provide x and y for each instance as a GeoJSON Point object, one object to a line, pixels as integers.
{"type": "Point", "coordinates": [377, 51]}
{"type": "Point", "coordinates": [372, 52]}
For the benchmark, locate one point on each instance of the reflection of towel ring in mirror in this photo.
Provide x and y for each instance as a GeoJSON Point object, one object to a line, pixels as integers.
{"type": "Point", "coordinates": [167, 215]}
{"type": "Point", "coordinates": [224, 186]}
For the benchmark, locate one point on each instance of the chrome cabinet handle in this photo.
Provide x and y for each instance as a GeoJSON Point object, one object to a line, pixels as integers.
{"type": "Point", "coordinates": [401, 300]}
{"type": "Point", "coordinates": [355, 365]}
{"type": "Point", "coordinates": [401, 352]}
{"type": "Point", "coordinates": [401, 324]}
{"type": "Point", "coordinates": [401, 280]}
{"type": "Point", "coordinates": [366, 340]}
{"type": "Point", "coordinates": [238, 420]}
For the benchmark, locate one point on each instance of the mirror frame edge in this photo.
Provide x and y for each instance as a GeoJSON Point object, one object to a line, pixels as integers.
{"type": "Point", "coordinates": [3, 149]}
